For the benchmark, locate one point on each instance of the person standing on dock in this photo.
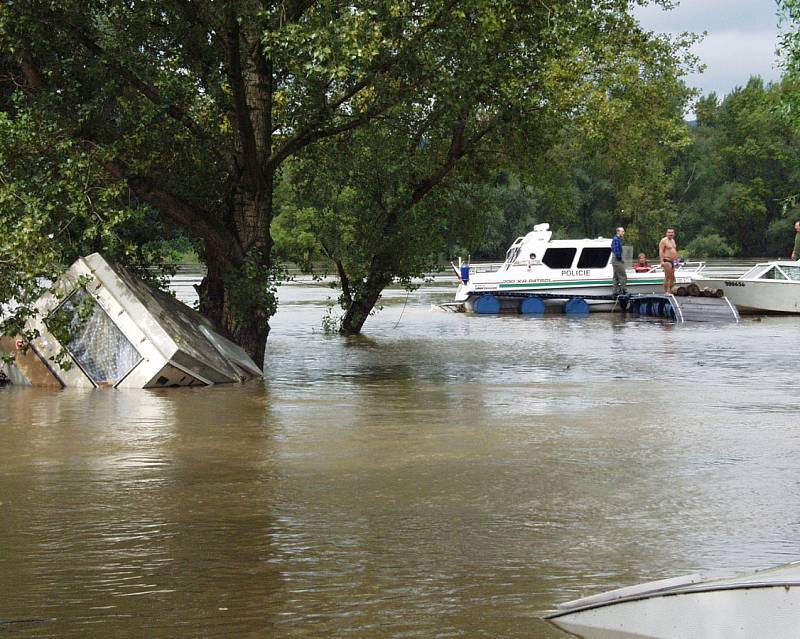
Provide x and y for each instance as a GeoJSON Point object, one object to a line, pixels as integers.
{"type": "Point", "coordinates": [618, 264]}
{"type": "Point", "coordinates": [668, 256]}
{"type": "Point", "coordinates": [796, 251]}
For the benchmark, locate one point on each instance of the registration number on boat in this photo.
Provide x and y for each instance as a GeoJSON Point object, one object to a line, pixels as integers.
{"type": "Point", "coordinates": [727, 283]}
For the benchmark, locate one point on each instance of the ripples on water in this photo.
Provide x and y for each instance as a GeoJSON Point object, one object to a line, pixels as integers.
{"type": "Point", "coordinates": [443, 475]}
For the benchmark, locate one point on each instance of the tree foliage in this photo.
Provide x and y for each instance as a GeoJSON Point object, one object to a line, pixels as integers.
{"type": "Point", "coordinates": [789, 57]}
{"type": "Point", "coordinates": [743, 163]}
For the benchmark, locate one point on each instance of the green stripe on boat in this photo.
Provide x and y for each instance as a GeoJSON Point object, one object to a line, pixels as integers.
{"type": "Point", "coordinates": [577, 283]}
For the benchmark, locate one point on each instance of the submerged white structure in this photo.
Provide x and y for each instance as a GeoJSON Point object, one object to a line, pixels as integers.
{"type": "Point", "coordinates": [123, 334]}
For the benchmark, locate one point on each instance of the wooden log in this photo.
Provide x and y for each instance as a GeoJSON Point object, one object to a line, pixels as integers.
{"type": "Point", "coordinates": [712, 292]}
{"type": "Point", "coordinates": [693, 290]}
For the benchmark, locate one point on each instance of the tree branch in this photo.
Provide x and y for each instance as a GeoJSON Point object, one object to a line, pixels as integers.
{"type": "Point", "coordinates": [316, 131]}
{"type": "Point", "coordinates": [219, 239]}
{"type": "Point", "coordinates": [147, 90]}
{"type": "Point", "coordinates": [458, 148]}
{"type": "Point", "coordinates": [295, 144]}
{"type": "Point", "coordinates": [241, 108]}
{"type": "Point", "coordinates": [344, 281]}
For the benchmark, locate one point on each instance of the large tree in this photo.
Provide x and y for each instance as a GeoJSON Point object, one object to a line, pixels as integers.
{"type": "Point", "coordinates": [386, 199]}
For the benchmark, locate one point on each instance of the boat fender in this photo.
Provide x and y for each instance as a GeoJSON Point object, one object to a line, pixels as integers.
{"type": "Point", "coordinates": [465, 273]}
{"type": "Point", "coordinates": [576, 306]}
{"type": "Point", "coordinates": [486, 305]}
{"type": "Point", "coordinates": [532, 306]}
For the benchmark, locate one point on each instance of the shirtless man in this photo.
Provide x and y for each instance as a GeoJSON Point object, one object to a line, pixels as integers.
{"type": "Point", "coordinates": [668, 256]}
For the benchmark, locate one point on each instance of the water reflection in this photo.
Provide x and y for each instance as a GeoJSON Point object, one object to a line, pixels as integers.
{"type": "Point", "coordinates": [445, 475]}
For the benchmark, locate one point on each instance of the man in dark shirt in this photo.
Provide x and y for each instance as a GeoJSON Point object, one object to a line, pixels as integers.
{"type": "Point", "coordinates": [618, 264]}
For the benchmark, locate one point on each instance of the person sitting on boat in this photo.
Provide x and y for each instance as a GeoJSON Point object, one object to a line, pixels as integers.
{"type": "Point", "coordinates": [642, 266]}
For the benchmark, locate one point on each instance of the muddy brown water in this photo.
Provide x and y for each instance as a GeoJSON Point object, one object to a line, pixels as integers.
{"type": "Point", "coordinates": [444, 475]}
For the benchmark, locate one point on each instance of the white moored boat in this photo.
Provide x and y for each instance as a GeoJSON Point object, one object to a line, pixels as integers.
{"type": "Point", "coordinates": [772, 287]}
{"type": "Point", "coordinates": [551, 271]}
{"type": "Point", "coordinates": [761, 604]}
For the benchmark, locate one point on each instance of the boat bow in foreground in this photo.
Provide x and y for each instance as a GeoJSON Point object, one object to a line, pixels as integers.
{"type": "Point", "coordinates": [763, 604]}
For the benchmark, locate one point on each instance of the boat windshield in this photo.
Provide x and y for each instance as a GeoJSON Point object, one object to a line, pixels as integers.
{"type": "Point", "coordinates": [773, 274]}
{"type": "Point", "coordinates": [792, 272]}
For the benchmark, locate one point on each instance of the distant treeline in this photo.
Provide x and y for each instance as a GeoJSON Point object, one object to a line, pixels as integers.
{"type": "Point", "coordinates": [729, 191]}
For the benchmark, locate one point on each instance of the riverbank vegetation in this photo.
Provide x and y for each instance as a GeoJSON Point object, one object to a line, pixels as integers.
{"type": "Point", "coordinates": [379, 137]}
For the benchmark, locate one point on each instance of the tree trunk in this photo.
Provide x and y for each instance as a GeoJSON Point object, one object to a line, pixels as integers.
{"type": "Point", "coordinates": [249, 328]}
{"type": "Point", "coordinates": [361, 306]}
{"type": "Point", "coordinates": [237, 297]}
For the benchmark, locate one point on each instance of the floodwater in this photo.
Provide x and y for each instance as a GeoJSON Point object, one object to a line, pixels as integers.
{"type": "Point", "coordinates": [443, 475]}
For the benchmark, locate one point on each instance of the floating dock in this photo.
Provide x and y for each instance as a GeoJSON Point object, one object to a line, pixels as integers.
{"type": "Point", "coordinates": [679, 309]}
{"type": "Point", "coordinates": [684, 309]}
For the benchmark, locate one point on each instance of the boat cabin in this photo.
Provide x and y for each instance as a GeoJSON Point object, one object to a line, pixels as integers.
{"type": "Point", "coordinates": [537, 248]}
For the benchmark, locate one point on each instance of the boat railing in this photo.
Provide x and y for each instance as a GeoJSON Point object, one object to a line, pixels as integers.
{"type": "Point", "coordinates": [691, 266]}
{"type": "Point", "coordinates": [486, 267]}
{"type": "Point", "coordinates": [683, 268]}
{"type": "Point", "coordinates": [492, 267]}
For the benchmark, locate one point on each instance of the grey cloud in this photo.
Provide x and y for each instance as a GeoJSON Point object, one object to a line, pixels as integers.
{"type": "Point", "coordinates": [711, 15]}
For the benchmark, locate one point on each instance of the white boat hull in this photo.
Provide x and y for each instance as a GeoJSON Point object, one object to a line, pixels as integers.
{"type": "Point", "coordinates": [567, 288]}
{"type": "Point", "coordinates": [761, 604]}
{"type": "Point", "coordinates": [753, 296]}
{"type": "Point", "coordinates": [746, 613]}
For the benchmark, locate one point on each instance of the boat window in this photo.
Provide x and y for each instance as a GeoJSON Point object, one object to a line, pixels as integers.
{"type": "Point", "coordinates": [86, 331]}
{"type": "Point", "coordinates": [559, 257]}
{"type": "Point", "coordinates": [792, 272]}
{"type": "Point", "coordinates": [773, 274]}
{"type": "Point", "coordinates": [594, 257]}
{"type": "Point", "coordinates": [512, 253]}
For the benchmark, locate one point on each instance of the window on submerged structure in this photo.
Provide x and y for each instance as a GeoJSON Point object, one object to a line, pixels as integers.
{"type": "Point", "coordinates": [559, 257]}
{"type": "Point", "coordinates": [86, 331]}
{"type": "Point", "coordinates": [594, 257]}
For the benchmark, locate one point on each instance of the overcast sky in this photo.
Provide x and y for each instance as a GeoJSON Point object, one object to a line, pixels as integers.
{"type": "Point", "coordinates": [740, 42]}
